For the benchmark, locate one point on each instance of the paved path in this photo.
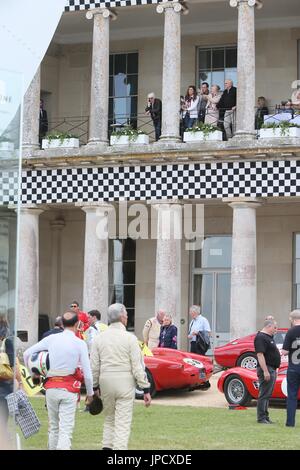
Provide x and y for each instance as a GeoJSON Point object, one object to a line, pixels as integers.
{"type": "Point", "coordinates": [211, 397]}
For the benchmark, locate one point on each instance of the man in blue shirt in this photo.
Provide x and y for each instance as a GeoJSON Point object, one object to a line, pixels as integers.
{"type": "Point", "coordinates": [198, 324]}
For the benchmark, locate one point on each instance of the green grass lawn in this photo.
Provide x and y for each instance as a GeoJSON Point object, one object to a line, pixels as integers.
{"type": "Point", "coordinates": [178, 427]}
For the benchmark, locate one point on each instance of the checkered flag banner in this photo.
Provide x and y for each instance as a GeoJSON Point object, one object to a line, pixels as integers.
{"type": "Point", "coordinates": [79, 5]}
{"type": "Point", "coordinates": [20, 408]}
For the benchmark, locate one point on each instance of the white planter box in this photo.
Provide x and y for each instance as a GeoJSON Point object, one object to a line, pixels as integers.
{"type": "Point", "coordinates": [65, 143]}
{"type": "Point", "coordinates": [277, 133]}
{"type": "Point", "coordinates": [199, 136]}
{"type": "Point", "coordinates": [142, 139]}
{"type": "Point", "coordinates": [7, 146]}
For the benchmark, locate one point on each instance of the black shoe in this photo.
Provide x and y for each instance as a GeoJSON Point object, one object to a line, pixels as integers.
{"type": "Point", "coordinates": [270, 421]}
{"type": "Point", "coordinates": [264, 421]}
{"type": "Point", "coordinates": [106, 448]}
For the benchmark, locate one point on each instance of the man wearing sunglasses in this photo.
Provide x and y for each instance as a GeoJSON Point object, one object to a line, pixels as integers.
{"type": "Point", "coordinates": [84, 321]}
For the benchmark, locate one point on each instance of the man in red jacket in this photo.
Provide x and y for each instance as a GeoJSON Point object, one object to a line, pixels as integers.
{"type": "Point", "coordinates": [84, 321]}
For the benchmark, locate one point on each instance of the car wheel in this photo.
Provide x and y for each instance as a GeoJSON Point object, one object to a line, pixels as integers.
{"type": "Point", "coordinates": [247, 361]}
{"type": "Point", "coordinates": [235, 391]}
{"type": "Point", "coordinates": [139, 394]}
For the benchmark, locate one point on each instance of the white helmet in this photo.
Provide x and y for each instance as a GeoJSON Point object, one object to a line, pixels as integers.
{"type": "Point", "coordinates": [38, 363]}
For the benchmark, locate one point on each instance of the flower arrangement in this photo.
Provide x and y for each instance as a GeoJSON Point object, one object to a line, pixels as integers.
{"type": "Point", "coordinates": [205, 128]}
{"type": "Point", "coordinates": [61, 136]}
{"type": "Point", "coordinates": [127, 131]}
{"type": "Point", "coordinates": [282, 125]}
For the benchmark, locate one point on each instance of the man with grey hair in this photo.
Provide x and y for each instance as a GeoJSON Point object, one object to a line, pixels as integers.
{"type": "Point", "coordinates": [153, 109]}
{"type": "Point", "coordinates": [268, 357]}
{"type": "Point", "coordinates": [291, 346]}
{"type": "Point", "coordinates": [151, 330]}
{"type": "Point", "coordinates": [198, 324]}
{"type": "Point", "coordinates": [227, 107]}
{"type": "Point", "coordinates": [118, 367]}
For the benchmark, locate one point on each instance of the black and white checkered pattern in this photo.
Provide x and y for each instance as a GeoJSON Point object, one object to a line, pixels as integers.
{"type": "Point", "coordinates": [20, 408]}
{"type": "Point", "coordinates": [77, 5]}
{"type": "Point", "coordinates": [135, 183]}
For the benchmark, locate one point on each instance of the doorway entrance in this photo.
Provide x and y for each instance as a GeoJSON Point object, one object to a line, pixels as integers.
{"type": "Point", "coordinates": [211, 276]}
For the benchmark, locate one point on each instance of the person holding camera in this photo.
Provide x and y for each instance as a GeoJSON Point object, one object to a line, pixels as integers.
{"type": "Point", "coordinates": [153, 109]}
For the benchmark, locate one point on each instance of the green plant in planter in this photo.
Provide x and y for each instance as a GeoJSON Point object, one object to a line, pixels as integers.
{"type": "Point", "coordinates": [129, 131]}
{"type": "Point", "coordinates": [202, 127]}
{"type": "Point", "coordinates": [61, 136]}
{"type": "Point", "coordinates": [282, 125]}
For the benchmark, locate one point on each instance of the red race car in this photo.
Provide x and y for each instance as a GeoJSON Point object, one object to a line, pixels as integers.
{"type": "Point", "coordinates": [173, 369]}
{"type": "Point", "coordinates": [241, 385]}
{"type": "Point", "coordinates": [241, 353]}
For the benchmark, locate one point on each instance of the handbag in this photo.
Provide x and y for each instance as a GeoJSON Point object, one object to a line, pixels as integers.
{"type": "Point", "coordinates": [202, 343]}
{"type": "Point", "coordinates": [6, 371]}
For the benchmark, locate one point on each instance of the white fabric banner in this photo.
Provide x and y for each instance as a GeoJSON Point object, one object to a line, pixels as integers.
{"type": "Point", "coordinates": [26, 30]}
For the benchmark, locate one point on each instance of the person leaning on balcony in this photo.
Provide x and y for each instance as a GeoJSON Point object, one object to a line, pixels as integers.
{"type": "Point", "coordinates": [43, 122]}
{"type": "Point", "coordinates": [212, 112]}
{"type": "Point", "coordinates": [296, 99]}
{"type": "Point", "coordinates": [227, 105]}
{"type": "Point", "coordinates": [153, 109]}
{"type": "Point", "coordinates": [151, 329]}
{"type": "Point", "coordinates": [190, 113]}
{"type": "Point", "coordinates": [203, 93]}
{"type": "Point", "coordinates": [118, 367]}
{"type": "Point", "coordinates": [262, 110]}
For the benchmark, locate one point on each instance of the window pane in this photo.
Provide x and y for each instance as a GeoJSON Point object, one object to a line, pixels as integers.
{"type": "Point", "coordinates": [216, 252]}
{"type": "Point", "coordinates": [117, 250]}
{"type": "Point", "coordinates": [218, 59]}
{"type": "Point", "coordinates": [205, 59]}
{"type": "Point", "coordinates": [111, 86]}
{"type": "Point", "coordinates": [130, 321]}
{"type": "Point", "coordinates": [111, 108]}
{"type": "Point", "coordinates": [218, 79]}
{"type": "Point", "coordinates": [297, 277]}
{"type": "Point", "coordinates": [231, 58]}
{"type": "Point", "coordinates": [205, 77]}
{"type": "Point", "coordinates": [129, 249]}
{"type": "Point", "coordinates": [111, 65]}
{"type": "Point", "coordinates": [133, 107]}
{"type": "Point", "coordinates": [129, 296]}
{"type": "Point", "coordinates": [120, 86]}
{"type": "Point", "coordinates": [121, 110]}
{"type": "Point", "coordinates": [132, 63]}
{"type": "Point", "coordinates": [120, 63]}
{"type": "Point", "coordinates": [132, 82]}
{"type": "Point", "coordinates": [231, 74]}
{"type": "Point", "coordinates": [298, 296]}
{"type": "Point", "coordinates": [118, 273]}
{"type": "Point", "coordinates": [129, 272]}
{"type": "Point", "coordinates": [297, 237]}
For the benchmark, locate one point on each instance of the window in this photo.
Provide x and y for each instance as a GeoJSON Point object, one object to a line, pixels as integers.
{"type": "Point", "coordinates": [123, 88]}
{"type": "Point", "coordinates": [122, 254]}
{"type": "Point", "coordinates": [215, 64]}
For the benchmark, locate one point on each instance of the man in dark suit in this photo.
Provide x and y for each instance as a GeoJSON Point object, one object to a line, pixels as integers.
{"type": "Point", "coordinates": [43, 126]}
{"type": "Point", "coordinates": [153, 109]}
{"type": "Point", "coordinates": [227, 107]}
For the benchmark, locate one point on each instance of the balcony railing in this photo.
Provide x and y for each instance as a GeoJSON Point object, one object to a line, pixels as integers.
{"type": "Point", "coordinates": [79, 125]}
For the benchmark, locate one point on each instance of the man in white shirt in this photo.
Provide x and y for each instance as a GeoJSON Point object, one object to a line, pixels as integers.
{"type": "Point", "coordinates": [198, 324]}
{"type": "Point", "coordinates": [66, 353]}
{"type": "Point", "coordinates": [95, 328]}
{"type": "Point", "coordinates": [151, 330]}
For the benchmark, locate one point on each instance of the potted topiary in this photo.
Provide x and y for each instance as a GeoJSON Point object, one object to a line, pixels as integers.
{"type": "Point", "coordinates": [128, 136]}
{"type": "Point", "coordinates": [6, 144]}
{"type": "Point", "coordinates": [279, 129]}
{"type": "Point", "coordinates": [59, 139]}
{"type": "Point", "coordinates": [202, 132]}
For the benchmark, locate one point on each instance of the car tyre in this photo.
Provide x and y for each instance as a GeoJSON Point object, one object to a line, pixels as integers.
{"type": "Point", "coordinates": [235, 391]}
{"type": "Point", "coordinates": [247, 361]}
{"type": "Point", "coordinates": [139, 394]}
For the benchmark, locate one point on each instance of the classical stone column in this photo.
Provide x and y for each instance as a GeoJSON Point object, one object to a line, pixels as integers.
{"type": "Point", "coordinates": [28, 272]}
{"type": "Point", "coordinates": [98, 122]}
{"type": "Point", "coordinates": [95, 284]}
{"type": "Point", "coordinates": [168, 260]}
{"type": "Point", "coordinates": [243, 268]}
{"type": "Point", "coordinates": [56, 227]}
{"type": "Point", "coordinates": [245, 111]}
{"type": "Point", "coordinates": [171, 69]}
{"type": "Point", "coordinates": [31, 114]}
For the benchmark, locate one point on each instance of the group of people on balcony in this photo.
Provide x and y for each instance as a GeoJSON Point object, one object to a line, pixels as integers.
{"type": "Point", "coordinates": [290, 106]}
{"type": "Point", "coordinates": [209, 106]}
